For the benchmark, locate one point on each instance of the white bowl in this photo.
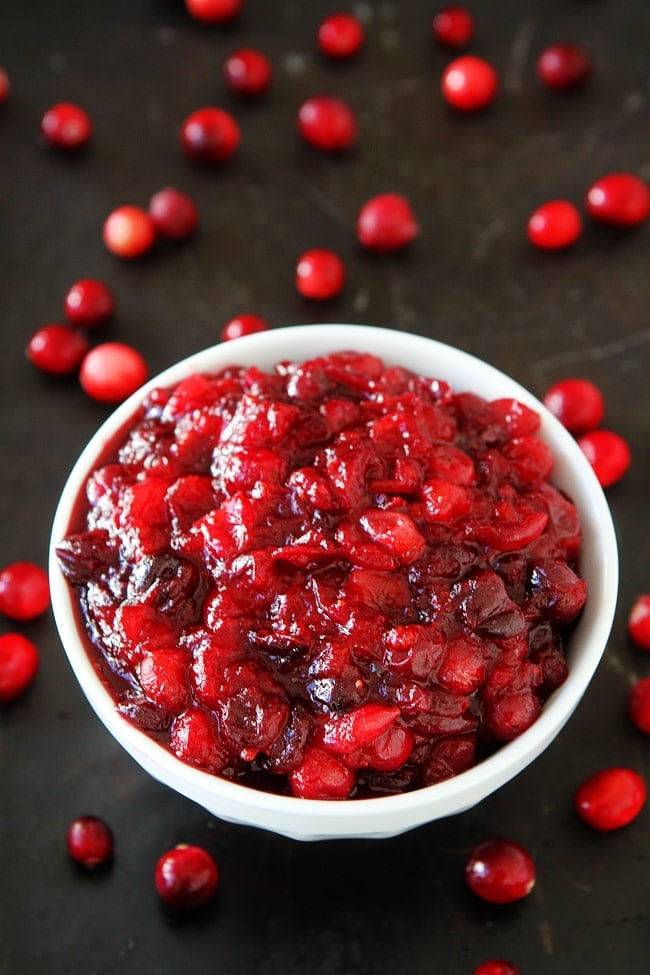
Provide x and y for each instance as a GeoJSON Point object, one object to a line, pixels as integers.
{"type": "Point", "coordinates": [308, 819]}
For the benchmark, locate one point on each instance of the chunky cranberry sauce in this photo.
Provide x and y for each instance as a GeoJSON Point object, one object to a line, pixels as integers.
{"type": "Point", "coordinates": [336, 579]}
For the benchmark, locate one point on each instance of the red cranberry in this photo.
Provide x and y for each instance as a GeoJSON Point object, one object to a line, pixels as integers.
{"type": "Point", "coordinates": [66, 126]}
{"type": "Point", "coordinates": [563, 66]}
{"type": "Point", "coordinates": [577, 404]}
{"type": "Point", "coordinates": [24, 591]}
{"type": "Point", "coordinates": [214, 11]}
{"type": "Point", "coordinates": [89, 303]}
{"type": "Point", "coordinates": [638, 705]}
{"type": "Point", "coordinates": [186, 878]}
{"type": "Point", "coordinates": [175, 214]}
{"type": "Point", "coordinates": [500, 871]}
{"type": "Point", "coordinates": [320, 274]}
{"type": "Point", "coordinates": [112, 371]}
{"type": "Point", "coordinates": [554, 225]}
{"type": "Point", "coordinates": [638, 622]}
{"type": "Point", "coordinates": [454, 27]}
{"type": "Point", "coordinates": [608, 454]}
{"type": "Point", "coordinates": [386, 223]}
{"type": "Point", "coordinates": [469, 84]}
{"type": "Point", "coordinates": [89, 841]}
{"type": "Point", "coordinates": [321, 775]}
{"type": "Point", "coordinates": [209, 135]}
{"type": "Point", "coordinates": [243, 325]}
{"type": "Point", "coordinates": [497, 966]}
{"type": "Point", "coordinates": [610, 798]}
{"type": "Point", "coordinates": [18, 665]}
{"type": "Point", "coordinates": [57, 349]}
{"type": "Point", "coordinates": [5, 86]}
{"type": "Point", "coordinates": [327, 123]}
{"type": "Point", "coordinates": [341, 36]}
{"type": "Point", "coordinates": [248, 72]}
{"type": "Point", "coordinates": [129, 232]}
{"type": "Point", "coordinates": [619, 199]}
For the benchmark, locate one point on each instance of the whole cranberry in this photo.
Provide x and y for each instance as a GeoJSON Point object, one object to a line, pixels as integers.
{"type": "Point", "coordinates": [500, 871]}
{"type": "Point", "coordinates": [89, 841]}
{"type": "Point", "coordinates": [469, 83]}
{"type": "Point", "coordinates": [248, 72]}
{"type": "Point", "coordinates": [554, 225]}
{"type": "Point", "coordinates": [327, 123]}
{"type": "Point", "coordinates": [24, 591]}
{"type": "Point", "coordinates": [66, 126]}
{"type": "Point", "coordinates": [241, 325]}
{"type": "Point", "coordinates": [608, 454]}
{"type": "Point", "coordinates": [18, 665]}
{"type": "Point", "coordinates": [454, 27]}
{"type": "Point", "coordinates": [563, 66]}
{"type": "Point", "coordinates": [638, 622]}
{"type": "Point", "coordinates": [57, 349]}
{"type": "Point", "coordinates": [386, 223]}
{"type": "Point", "coordinates": [175, 214]}
{"type": "Point", "coordinates": [638, 705]}
{"type": "Point", "coordinates": [209, 135]}
{"type": "Point", "coordinates": [497, 966]}
{"type": "Point", "coordinates": [610, 798]}
{"type": "Point", "coordinates": [89, 303]}
{"type": "Point", "coordinates": [619, 199]}
{"type": "Point", "coordinates": [129, 232]}
{"type": "Point", "coordinates": [186, 878]}
{"type": "Point", "coordinates": [577, 403]}
{"type": "Point", "coordinates": [112, 371]}
{"type": "Point", "coordinates": [214, 11]}
{"type": "Point", "coordinates": [340, 36]}
{"type": "Point", "coordinates": [320, 274]}
{"type": "Point", "coordinates": [5, 86]}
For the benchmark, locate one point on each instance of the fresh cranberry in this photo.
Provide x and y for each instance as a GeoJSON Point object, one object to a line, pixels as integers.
{"type": "Point", "coordinates": [563, 66]}
{"type": "Point", "coordinates": [186, 878]}
{"type": "Point", "coordinates": [248, 72]}
{"type": "Point", "coordinates": [638, 622]}
{"type": "Point", "coordinates": [112, 371]}
{"type": "Point", "coordinates": [24, 591]}
{"type": "Point", "coordinates": [129, 232]}
{"type": "Point", "coordinates": [66, 126]}
{"type": "Point", "coordinates": [320, 274]}
{"type": "Point", "coordinates": [386, 223]}
{"type": "Point", "coordinates": [577, 403]}
{"type": "Point", "coordinates": [454, 27]}
{"type": "Point", "coordinates": [209, 135]}
{"type": "Point", "coordinates": [500, 871]}
{"type": "Point", "coordinates": [554, 225]}
{"type": "Point", "coordinates": [341, 36]}
{"type": "Point", "coordinates": [610, 798]}
{"type": "Point", "coordinates": [57, 349]}
{"type": "Point", "coordinates": [90, 842]}
{"type": "Point", "coordinates": [18, 665]}
{"type": "Point", "coordinates": [619, 199]}
{"type": "Point", "coordinates": [638, 705]}
{"type": "Point", "coordinates": [243, 325]}
{"type": "Point", "coordinates": [214, 11]}
{"type": "Point", "coordinates": [327, 123]}
{"type": "Point", "coordinates": [469, 83]}
{"type": "Point", "coordinates": [89, 303]}
{"type": "Point", "coordinates": [5, 86]}
{"type": "Point", "coordinates": [175, 214]}
{"type": "Point", "coordinates": [497, 966]}
{"type": "Point", "coordinates": [608, 454]}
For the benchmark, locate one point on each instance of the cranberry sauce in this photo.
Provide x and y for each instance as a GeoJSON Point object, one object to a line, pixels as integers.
{"type": "Point", "coordinates": [337, 579]}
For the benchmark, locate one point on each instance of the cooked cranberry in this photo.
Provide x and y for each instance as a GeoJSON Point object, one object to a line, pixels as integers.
{"type": "Point", "coordinates": [243, 325]}
{"type": "Point", "coordinates": [214, 11]}
{"type": "Point", "coordinates": [209, 135]}
{"type": "Point", "coordinates": [610, 798]}
{"type": "Point", "coordinates": [608, 454]}
{"type": "Point", "coordinates": [57, 349]}
{"type": "Point", "coordinates": [619, 199]}
{"type": "Point", "coordinates": [554, 225]}
{"type": "Point", "coordinates": [321, 775]}
{"type": "Point", "coordinates": [163, 677]}
{"type": "Point", "coordinates": [320, 274]}
{"type": "Point", "coordinates": [469, 84]}
{"type": "Point", "coordinates": [577, 403]}
{"type": "Point", "coordinates": [5, 86]}
{"type": "Point", "coordinates": [497, 966]}
{"type": "Point", "coordinates": [340, 36]}
{"type": "Point", "coordinates": [112, 371]}
{"type": "Point", "coordinates": [18, 665]}
{"type": "Point", "coordinates": [90, 841]}
{"type": "Point", "coordinates": [327, 123]}
{"type": "Point", "coordinates": [563, 66]}
{"type": "Point", "coordinates": [186, 878]}
{"type": "Point", "coordinates": [386, 223]}
{"type": "Point", "coordinates": [638, 622]}
{"type": "Point", "coordinates": [129, 232]}
{"type": "Point", "coordinates": [500, 871]}
{"type": "Point", "coordinates": [66, 126]}
{"type": "Point", "coordinates": [638, 705]}
{"type": "Point", "coordinates": [454, 27]}
{"type": "Point", "coordinates": [89, 303]}
{"type": "Point", "coordinates": [248, 72]}
{"type": "Point", "coordinates": [174, 214]}
{"type": "Point", "coordinates": [24, 591]}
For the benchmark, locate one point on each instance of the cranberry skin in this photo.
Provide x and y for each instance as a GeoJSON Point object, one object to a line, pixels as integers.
{"type": "Point", "coordinates": [89, 841]}
{"type": "Point", "coordinates": [57, 349]}
{"type": "Point", "coordinates": [497, 966]}
{"type": "Point", "coordinates": [175, 214]}
{"type": "Point", "coordinates": [24, 591]}
{"type": "Point", "coordinates": [112, 371]}
{"type": "Point", "coordinates": [554, 225]}
{"type": "Point", "coordinates": [608, 454]}
{"type": "Point", "coordinates": [638, 622]}
{"type": "Point", "coordinates": [129, 232]}
{"type": "Point", "coordinates": [564, 66]}
{"type": "Point", "coordinates": [500, 871]}
{"type": "Point", "coordinates": [243, 325]}
{"type": "Point", "coordinates": [320, 275]}
{"type": "Point", "coordinates": [327, 123]}
{"type": "Point", "coordinates": [386, 223]}
{"type": "Point", "coordinates": [610, 799]}
{"type": "Point", "coordinates": [577, 404]}
{"type": "Point", "coordinates": [619, 199]}
{"type": "Point", "coordinates": [248, 72]}
{"type": "Point", "coordinates": [66, 126]}
{"type": "Point", "coordinates": [453, 27]}
{"type": "Point", "coordinates": [89, 303]}
{"type": "Point", "coordinates": [341, 36]}
{"type": "Point", "coordinates": [638, 705]}
{"type": "Point", "coordinates": [5, 86]}
{"type": "Point", "coordinates": [214, 11]}
{"type": "Point", "coordinates": [209, 135]}
{"type": "Point", "coordinates": [18, 666]}
{"type": "Point", "coordinates": [469, 83]}
{"type": "Point", "coordinates": [186, 878]}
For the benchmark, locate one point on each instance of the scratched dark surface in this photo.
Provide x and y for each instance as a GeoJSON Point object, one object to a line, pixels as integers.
{"type": "Point", "coordinates": [140, 67]}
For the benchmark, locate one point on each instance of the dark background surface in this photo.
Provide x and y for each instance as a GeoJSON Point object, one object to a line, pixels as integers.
{"type": "Point", "coordinates": [140, 67]}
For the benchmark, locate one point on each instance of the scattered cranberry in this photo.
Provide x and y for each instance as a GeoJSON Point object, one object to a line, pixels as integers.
{"type": "Point", "coordinates": [66, 126]}
{"type": "Point", "coordinates": [327, 123]}
{"type": "Point", "coordinates": [608, 454]}
{"type": "Point", "coordinates": [454, 27]}
{"type": "Point", "coordinates": [24, 591]}
{"type": "Point", "coordinates": [248, 72]}
{"type": "Point", "coordinates": [209, 135]}
{"type": "Point", "coordinates": [469, 84]}
{"type": "Point", "coordinates": [577, 403]}
{"type": "Point", "coordinates": [18, 665]}
{"type": "Point", "coordinates": [175, 214]}
{"type": "Point", "coordinates": [554, 225]}
{"type": "Point", "coordinates": [5, 86]}
{"type": "Point", "coordinates": [638, 705]}
{"type": "Point", "coordinates": [129, 232]}
{"type": "Point", "coordinates": [386, 223]}
{"type": "Point", "coordinates": [563, 66]}
{"type": "Point", "coordinates": [112, 371]}
{"type": "Point", "coordinates": [500, 871]}
{"type": "Point", "coordinates": [186, 878]}
{"type": "Point", "coordinates": [89, 303]}
{"type": "Point", "coordinates": [341, 36]}
{"type": "Point", "coordinates": [214, 11]}
{"type": "Point", "coordinates": [638, 622]}
{"type": "Point", "coordinates": [497, 966]}
{"type": "Point", "coordinates": [89, 841]}
{"type": "Point", "coordinates": [57, 349]}
{"type": "Point", "coordinates": [243, 325]}
{"type": "Point", "coordinates": [320, 274]}
{"type": "Point", "coordinates": [619, 199]}
{"type": "Point", "coordinates": [611, 798]}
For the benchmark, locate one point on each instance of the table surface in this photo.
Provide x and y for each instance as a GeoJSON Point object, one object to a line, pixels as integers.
{"type": "Point", "coordinates": [471, 279]}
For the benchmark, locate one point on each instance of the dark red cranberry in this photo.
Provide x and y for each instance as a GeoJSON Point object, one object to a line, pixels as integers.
{"type": "Point", "coordinates": [248, 72]}
{"type": "Point", "coordinates": [24, 591]}
{"type": "Point", "coordinates": [638, 622]}
{"type": "Point", "coordinates": [5, 86]}
{"type": "Point", "coordinates": [554, 225]}
{"type": "Point", "coordinates": [608, 454]}
{"type": "Point", "coordinates": [214, 11]}
{"type": "Point", "coordinates": [243, 325]}
{"type": "Point", "coordinates": [175, 214]}
{"type": "Point", "coordinates": [577, 403]}
{"type": "Point", "coordinates": [57, 349]}
{"type": "Point", "coordinates": [500, 871]}
{"type": "Point", "coordinates": [610, 798]}
{"type": "Point", "coordinates": [619, 199]}
{"type": "Point", "coordinates": [209, 135]}
{"type": "Point", "coordinates": [497, 966]}
{"type": "Point", "coordinates": [320, 274]}
{"type": "Point", "coordinates": [454, 27]}
{"type": "Point", "coordinates": [90, 842]}
{"type": "Point", "coordinates": [327, 123]}
{"type": "Point", "coordinates": [638, 705]}
{"type": "Point", "coordinates": [18, 665]}
{"type": "Point", "coordinates": [341, 36]}
{"type": "Point", "coordinates": [112, 371]}
{"type": "Point", "coordinates": [186, 878]}
{"type": "Point", "coordinates": [66, 126]}
{"type": "Point", "coordinates": [563, 66]}
{"type": "Point", "coordinates": [469, 84]}
{"type": "Point", "coordinates": [129, 232]}
{"type": "Point", "coordinates": [386, 223]}
{"type": "Point", "coordinates": [89, 303]}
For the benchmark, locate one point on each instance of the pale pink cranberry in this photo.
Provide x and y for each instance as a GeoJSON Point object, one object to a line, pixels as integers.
{"type": "Point", "coordinates": [209, 135]}
{"type": "Point", "coordinates": [186, 878]}
{"type": "Point", "coordinates": [386, 223]}
{"type": "Point", "coordinates": [57, 349]}
{"type": "Point", "coordinates": [454, 27]}
{"type": "Point", "coordinates": [341, 36]}
{"type": "Point", "coordinates": [89, 841]}
{"type": "Point", "coordinates": [563, 66]}
{"type": "Point", "coordinates": [5, 86]}
{"type": "Point", "coordinates": [327, 123]}
{"type": "Point", "coordinates": [497, 966]}
{"type": "Point", "coordinates": [638, 622]}
{"type": "Point", "coordinates": [112, 371]}
{"type": "Point", "coordinates": [66, 126]}
{"type": "Point", "coordinates": [214, 11]}
{"type": "Point", "coordinates": [18, 666]}
{"type": "Point", "coordinates": [577, 403]}
{"type": "Point", "coordinates": [638, 705]}
{"type": "Point", "coordinates": [129, 232]}
{"type": "Point", "coordinates": [500, 871]}
{"type": "Point", "coordinates": [469, 83]}
{"type": "Point", "coordinates": [24, 591]}
{"type": "Point", "coordinates": [320, 274]}
{"type": "Point", "coordinates": [248, 72]}
{"type": "Point", "coordinates": [608, 453]}
{"type": "Point", "coordinates": [610, 799]}
{"type": "Point", "coordinates": [175, 214]}
{"type": "Point", "coordinates": [241, 325]}
{"type": "Point", "coordinates": [554, 225]}
{"type": "Point", "coordinates": [619, 199]}
{"type": "Point", "coordinates": [89, 303]}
